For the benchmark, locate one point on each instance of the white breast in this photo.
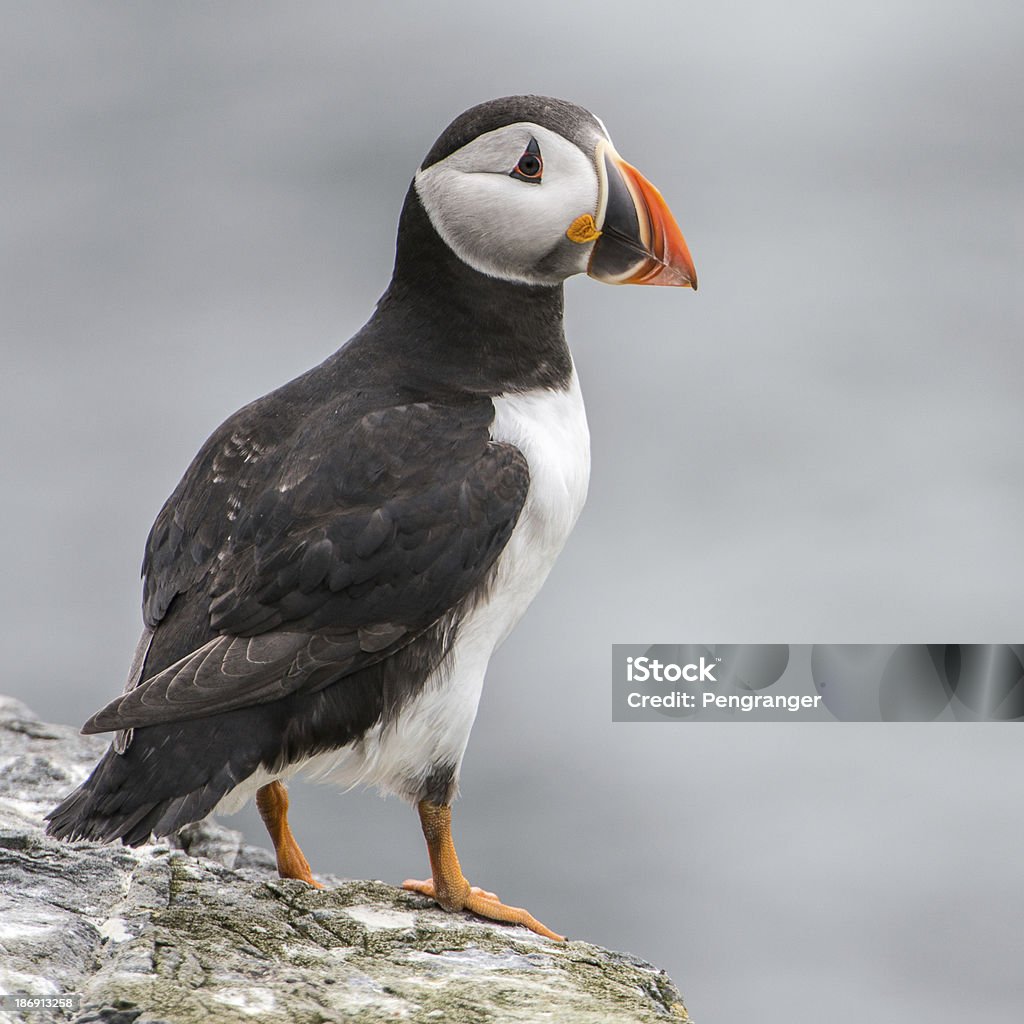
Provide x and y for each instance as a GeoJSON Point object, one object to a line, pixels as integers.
{"type": "Point", "coordinates": [550, 428]}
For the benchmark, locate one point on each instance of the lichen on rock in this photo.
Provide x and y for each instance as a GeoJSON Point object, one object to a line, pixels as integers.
{"type": "Point", "coordinates": [203, 931]}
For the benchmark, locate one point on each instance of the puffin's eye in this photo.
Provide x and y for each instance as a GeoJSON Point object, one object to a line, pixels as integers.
{"type": "Point", "coordinates": [530, 166]}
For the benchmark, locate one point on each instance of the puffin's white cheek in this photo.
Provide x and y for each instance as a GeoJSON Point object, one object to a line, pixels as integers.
{"type": "Point", "coordinates": [511, 233]}
{"type": "Point", "coordinates": [542, 218]}
{"type": "Point", "coordinates": [505, 227]}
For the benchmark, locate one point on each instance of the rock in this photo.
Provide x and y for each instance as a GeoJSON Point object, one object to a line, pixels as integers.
{"type": "Point", "coordinates": [202, 930]}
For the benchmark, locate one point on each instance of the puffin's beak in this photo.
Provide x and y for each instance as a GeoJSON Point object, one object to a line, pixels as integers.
{"type": "Point", "coordinates": [640, 241]}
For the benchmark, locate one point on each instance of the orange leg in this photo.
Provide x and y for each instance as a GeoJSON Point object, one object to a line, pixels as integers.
{"type": "Point", "coordinates": [450, 888]}
{"type": "Point", "coordinates": [272, 802]}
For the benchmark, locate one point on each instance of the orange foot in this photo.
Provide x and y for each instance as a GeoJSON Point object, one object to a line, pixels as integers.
{"type": "Point", "coordinates": [448, 885]}
{"type": "Point", "coordinates": [272, 802]}
{"type": "Point", "coordinates": [292, 863]}
{"type": "Point", "coordinates": [485, 904]}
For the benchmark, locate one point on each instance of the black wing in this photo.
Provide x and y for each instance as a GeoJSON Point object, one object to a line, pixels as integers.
{"type": "Point", "coordinates": [288, 558]}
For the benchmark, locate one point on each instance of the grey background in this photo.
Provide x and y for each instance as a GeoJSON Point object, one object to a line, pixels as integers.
{"type": "Point", "coordinates": [198, 202]}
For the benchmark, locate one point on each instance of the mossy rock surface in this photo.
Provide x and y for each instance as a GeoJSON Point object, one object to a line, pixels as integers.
{"type": "Point", "coordinates": [208, 934]}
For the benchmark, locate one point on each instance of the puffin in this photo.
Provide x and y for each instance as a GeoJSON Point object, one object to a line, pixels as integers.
{"type": "Point", "coordinates": [325, 586]}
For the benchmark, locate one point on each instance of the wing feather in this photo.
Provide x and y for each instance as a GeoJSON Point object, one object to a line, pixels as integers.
{"type": "Point", "coordinates": [288, 559]}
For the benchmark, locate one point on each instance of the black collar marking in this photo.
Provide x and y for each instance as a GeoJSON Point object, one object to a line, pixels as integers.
{"type": "Point", "coordinates": [444, 327]}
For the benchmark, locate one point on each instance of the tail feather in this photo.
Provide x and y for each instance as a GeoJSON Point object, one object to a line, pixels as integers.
{"type": "Point", "coordinates": [170, 776]}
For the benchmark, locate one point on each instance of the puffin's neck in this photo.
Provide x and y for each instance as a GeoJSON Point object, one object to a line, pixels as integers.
{"type": "Point", "coordinates": [463, 329]}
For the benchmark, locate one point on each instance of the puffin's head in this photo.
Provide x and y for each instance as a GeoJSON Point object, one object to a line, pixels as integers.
{"type": "Point", "coordinates": [531, 189]}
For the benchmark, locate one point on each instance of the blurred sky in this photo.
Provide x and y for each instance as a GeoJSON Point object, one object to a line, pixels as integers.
{"type": "Point", "coordinates": [824, 444]}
